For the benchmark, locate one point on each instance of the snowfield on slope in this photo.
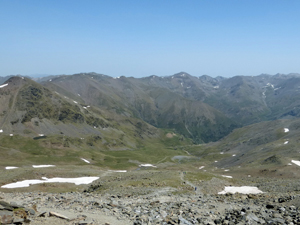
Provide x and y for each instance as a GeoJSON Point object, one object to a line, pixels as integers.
{"type": "Point", "coordinates": [26, 183]}
{"type": "Point", "coordinates": [242, 190]}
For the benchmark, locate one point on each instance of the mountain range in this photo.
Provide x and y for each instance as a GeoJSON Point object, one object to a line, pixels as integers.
{"type": "Point", "coordinates": [203, 108]}
{"type": "Point", "coordinates": [243, 116]}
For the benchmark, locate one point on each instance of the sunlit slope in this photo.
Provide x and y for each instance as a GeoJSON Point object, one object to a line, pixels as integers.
{"type": "Point", "coordinates": [263, 146]}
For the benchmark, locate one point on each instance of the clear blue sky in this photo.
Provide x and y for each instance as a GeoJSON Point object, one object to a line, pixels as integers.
{"type": "Point", "coordinates": [144, 37]}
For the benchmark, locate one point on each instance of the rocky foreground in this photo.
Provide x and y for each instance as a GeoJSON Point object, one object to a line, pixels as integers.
{"type": "Point", "coordinates": [90, 208]}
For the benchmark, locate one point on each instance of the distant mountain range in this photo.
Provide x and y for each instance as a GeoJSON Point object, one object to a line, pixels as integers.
{"type": "Point", "coordinates": [203, 108]}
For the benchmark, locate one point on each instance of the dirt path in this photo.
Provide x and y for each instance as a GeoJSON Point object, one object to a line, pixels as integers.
{"type": "Point", "coordinates": [197, 191]}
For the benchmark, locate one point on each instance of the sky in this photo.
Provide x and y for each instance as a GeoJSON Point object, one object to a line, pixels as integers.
{"type": "Point", "coordinates": [149, 37]}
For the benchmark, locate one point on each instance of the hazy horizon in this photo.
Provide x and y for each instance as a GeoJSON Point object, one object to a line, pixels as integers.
{"type": "Point", "coordinates": [143, 38]}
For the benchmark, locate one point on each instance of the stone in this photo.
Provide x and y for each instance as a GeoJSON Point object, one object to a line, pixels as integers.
{"type": "Point", "coordinates": [6, 219]}
{"type": "Point", "coordinates": [30, 211]}
{"type": "Point", "coordinates": [6, 212]}
{"type": "Point", "coordinates": [43, 214]}
{"type": "Point", "coordinates": [58, 215]}
{"type": "Point", "coordinates": [6, 205]}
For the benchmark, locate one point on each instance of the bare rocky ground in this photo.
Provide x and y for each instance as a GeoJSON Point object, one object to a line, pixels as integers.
{"type": "Point", "coordinates": [116, 199]}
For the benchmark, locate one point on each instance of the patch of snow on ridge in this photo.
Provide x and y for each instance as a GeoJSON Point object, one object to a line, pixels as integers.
{"type": "Point", "coordinates": [146, 165]}
{"type": "Point", "coordinates": [11, 167]}
{"type": "Point", "coordinates": [269, 85]}
{"type": "Point", "coordinates": [85, 160]}
{"type": "Point", "coordinates": [118, 171]}
{"type": "Point", "coordinates": [286, 130]}
{"type": "Point", "coordinates": [76, 181]}
{"type": "Point", "coordinates": [296, 162]}
{"type": "Point", "coordinates": [1, 131]}
{"type": "Point", "coordinates": [201, 167]}
{"type": "Point", "coordinates": [226, 176]}
{"type": "Point", "coordinates": [3, 85]}
{"type": "Point", "coordinates": [242, 190]}
{"type": "Point", "coordinates": [42, 166]}
{"type": "Point", "coordinates": [234, 155]}
{"type": "Point", "coordinates": [286, 142]}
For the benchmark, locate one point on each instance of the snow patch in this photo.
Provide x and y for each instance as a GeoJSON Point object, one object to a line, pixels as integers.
{"type": "Point", "coordinates": [234, 155]}
{"type": "Point", "coordinates": [146, 165]}
{"type": "Point", "coordinates": [216, 87]}
{"type": "Point", "coordinates": [85, 160]}
{"type": "Point", "coordinates": [3, 85]}
{"type": "Point", "coordinates": [226, 176]}
{"type": "Point", "coordinates": [201, 167]}
{"type": "Point", "coordinates": [221, 153]}
{"type": "Point", "coordinates": [286, 142]}
{"type": "Point", "coordinates": [41, 135]}
{"type": "Point", "coordinates": [270, 85]}
{"type": "Point", "coordinates": [11, 167]}
{"type": "Point", "coordinates": [296, 162]}
{"type": "Point", "coordinates": [75, 102]}
{"type": "Point", "coordinates": [42, 166]}
{"type": "Point", "coordinates": [286, 130]}
{"type": "Point", "coordinates": [76, 181]}
{"type": "Point", "coordinates": [118, 171]}
{"type": "Point", "coordinates": [1, 131]}
{"type": "Point", "coordinates": [242, 190]}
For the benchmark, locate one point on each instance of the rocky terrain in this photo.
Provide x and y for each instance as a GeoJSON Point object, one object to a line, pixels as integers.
{"type": "Point", "coordinates": [278, 204]}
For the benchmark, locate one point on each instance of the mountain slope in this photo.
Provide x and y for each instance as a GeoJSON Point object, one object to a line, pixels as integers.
{"type": "Point", "coordinates": [29, 109]}
{"type": "Point", "coordinates": [265, 148]}
{"type": "Point", "coordinates": [155, 104]}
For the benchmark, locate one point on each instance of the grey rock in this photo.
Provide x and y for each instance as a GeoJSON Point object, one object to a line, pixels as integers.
{"type": "Point", "coordinates": [184, 221]}
{"type": "Point", "coordinates": [6, 212]}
